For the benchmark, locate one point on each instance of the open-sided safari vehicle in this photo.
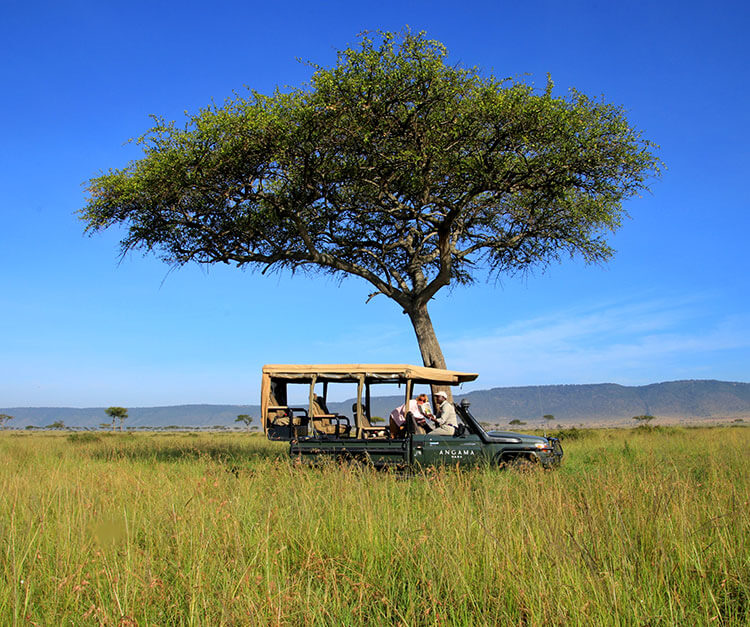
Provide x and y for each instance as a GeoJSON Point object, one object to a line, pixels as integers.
{"type": "Point", "coordinates": [294, 407]}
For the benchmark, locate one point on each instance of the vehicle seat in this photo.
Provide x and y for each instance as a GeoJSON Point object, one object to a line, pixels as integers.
{"type": "Point", "coordinates": [411, 424]}
{"type": "Point", "coordinates": [327, 423]}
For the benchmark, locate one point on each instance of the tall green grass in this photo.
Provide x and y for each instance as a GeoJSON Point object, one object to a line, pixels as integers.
{"type": "Point", "coordinates": [636, 527]}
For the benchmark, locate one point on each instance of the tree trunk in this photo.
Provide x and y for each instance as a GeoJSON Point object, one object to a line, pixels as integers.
{"type": "Point", "coordinates": [432, 355]}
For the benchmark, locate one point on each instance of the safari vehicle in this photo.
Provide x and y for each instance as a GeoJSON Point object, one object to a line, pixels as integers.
{"type": "Point", "coordinates": [314, 432]}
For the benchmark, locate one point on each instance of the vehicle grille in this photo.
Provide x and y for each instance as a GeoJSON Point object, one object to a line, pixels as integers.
{"type": "Point", "coordinates": [556, 447]}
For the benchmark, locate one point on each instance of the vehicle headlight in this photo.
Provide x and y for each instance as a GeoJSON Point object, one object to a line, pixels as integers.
{"type": "Point", "coordinates": [544, 446]}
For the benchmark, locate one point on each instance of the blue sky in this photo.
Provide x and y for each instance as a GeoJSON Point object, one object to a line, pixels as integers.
{"type": "Point", "coordinates": [79, 79]}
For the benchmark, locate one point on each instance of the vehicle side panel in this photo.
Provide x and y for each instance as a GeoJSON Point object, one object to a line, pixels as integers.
{"type": "Point", "coordinates": [447, 450]}
{"type": "Point", "coordinates": [376, 452]}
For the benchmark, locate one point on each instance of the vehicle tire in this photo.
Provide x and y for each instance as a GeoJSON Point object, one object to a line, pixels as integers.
{"type": "Point", "coordinates": [518, 463]}
{"type": "Point", "coordinates": [524, 464]}
{"type": "Point", "coordinates": [356, 460]}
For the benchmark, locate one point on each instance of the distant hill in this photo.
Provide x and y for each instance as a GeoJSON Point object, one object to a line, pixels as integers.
{"type": "Point", "coordinates": [91, 417]}
{"type": "Point", "coordinates": [604, 403]}
{"type": "Point", "coordinates": [674, 401]}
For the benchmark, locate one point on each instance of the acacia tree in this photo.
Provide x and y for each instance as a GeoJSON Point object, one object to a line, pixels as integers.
{"type": "Point", "coordinates": [393, 166]}
{"type": "Point", "coordinates": [116, 413]}
{"type": "Point", "coordinates": [3, 419]}
{"type": "Point", "coordinates": [244, 418]}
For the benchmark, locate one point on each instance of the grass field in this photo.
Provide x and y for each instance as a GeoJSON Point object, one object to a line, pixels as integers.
{"type": "Point", "coordinates": [636, 528]}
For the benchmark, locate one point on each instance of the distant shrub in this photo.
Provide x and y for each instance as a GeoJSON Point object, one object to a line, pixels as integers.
{"type": "Point", "coordinates": [655, 429]}
{"type": "Point", "coordinates": [571, 434]}
{"type": "Point", "coordinates": [516, 421]}
{"type": "Point", "coordinates": [83, 437]}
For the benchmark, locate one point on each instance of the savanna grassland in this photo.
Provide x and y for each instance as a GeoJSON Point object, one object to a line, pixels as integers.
{"type": "Point", "coordinates": [638, 527]}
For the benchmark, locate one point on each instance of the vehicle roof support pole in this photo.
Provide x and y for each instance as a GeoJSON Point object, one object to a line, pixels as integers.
{"type": "Point", "coordinates": [310, 403]}
{"type": "Point", "coordinates": [265, 394]}
{"type": "Point", "coordinates": [360, 417]}
{"type": "Point", "coordinates": [368, 412]}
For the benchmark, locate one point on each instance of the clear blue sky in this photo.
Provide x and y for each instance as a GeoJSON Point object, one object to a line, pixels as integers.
{"type": "Point", "coordinates": [81, 78]}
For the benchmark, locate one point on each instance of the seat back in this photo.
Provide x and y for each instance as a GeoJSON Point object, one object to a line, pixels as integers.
{"type": "Point", "coordinates": [322, 418]}
{"type": "Point", "coordinates": [318, 407]}
{"type": "Point", "coordinates": [410, 424]}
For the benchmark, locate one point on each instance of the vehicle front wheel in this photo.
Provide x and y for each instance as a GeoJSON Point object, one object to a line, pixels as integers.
{"type": "Point", "coordinates": [519, 463]}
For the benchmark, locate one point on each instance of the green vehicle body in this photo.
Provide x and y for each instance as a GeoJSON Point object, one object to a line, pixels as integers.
{"type": "Point", "coordinates": [315, 434]}
{"type": "Point", "coordinates": [473, 447]}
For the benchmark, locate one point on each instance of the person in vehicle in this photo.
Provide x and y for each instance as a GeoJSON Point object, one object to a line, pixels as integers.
{"type": "Point", "coordinates": [446, 416]}
{"type": "Point", "coordinates": [420, 409]}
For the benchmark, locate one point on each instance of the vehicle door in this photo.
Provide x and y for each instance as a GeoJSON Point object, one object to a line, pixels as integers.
{"type": "Point", "coordinates": [447, 450]}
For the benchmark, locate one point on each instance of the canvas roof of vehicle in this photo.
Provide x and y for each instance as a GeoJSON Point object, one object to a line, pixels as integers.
{"type": "Point", "coordinates": [372, 372]}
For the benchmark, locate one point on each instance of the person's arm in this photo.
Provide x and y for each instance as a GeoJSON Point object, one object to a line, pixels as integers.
{"type": "Point", "coordinates": [428, 413]}
{"type": "Point", "coordinates": [439, 418]}
{"type": "Point", "coordinates": [416, 411]}
{"type": "Point", "coordinates": [449, 415]}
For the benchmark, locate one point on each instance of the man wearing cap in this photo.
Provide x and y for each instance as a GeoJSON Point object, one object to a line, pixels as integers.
{"type": "Point", "coordinates": [445, 417]}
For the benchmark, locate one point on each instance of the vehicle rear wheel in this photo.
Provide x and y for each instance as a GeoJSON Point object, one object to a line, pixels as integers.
{"type": "Point", "coordinates": [356, 460]}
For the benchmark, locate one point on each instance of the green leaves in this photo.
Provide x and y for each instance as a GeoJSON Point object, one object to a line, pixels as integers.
{"type": "Point", "coordinates": [393, 165]}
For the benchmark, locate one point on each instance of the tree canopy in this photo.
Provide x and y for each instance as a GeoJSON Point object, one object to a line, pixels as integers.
{"type": "Point", "coordinates": [116, 413]}
{"type": "Point", "coordinates": [244, 418]}
{"type": "Point", "coordinates": [644, 419]}
{"type": "Point", "coordinates": [392, 165]}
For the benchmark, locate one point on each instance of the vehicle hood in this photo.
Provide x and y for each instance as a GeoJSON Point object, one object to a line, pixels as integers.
{"type": "Point", "coordinates": [512, 436]}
